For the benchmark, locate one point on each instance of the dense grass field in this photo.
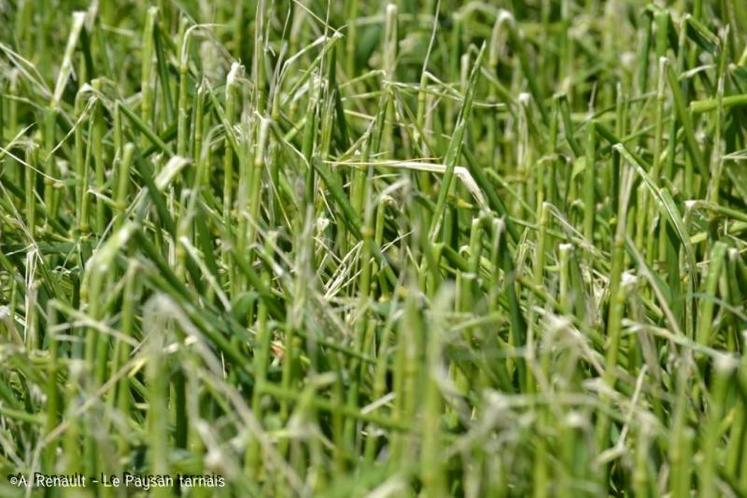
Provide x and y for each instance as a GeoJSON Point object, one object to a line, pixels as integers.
{"type": "Point", "coordinates": [429, 248]}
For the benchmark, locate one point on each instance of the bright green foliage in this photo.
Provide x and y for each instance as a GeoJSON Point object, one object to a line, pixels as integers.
{"type": "Point", "coordinates": [336, 249]}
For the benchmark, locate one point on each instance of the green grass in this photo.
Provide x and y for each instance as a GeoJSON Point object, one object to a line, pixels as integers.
{"type": "Point", "coordinates": [430, 249]}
